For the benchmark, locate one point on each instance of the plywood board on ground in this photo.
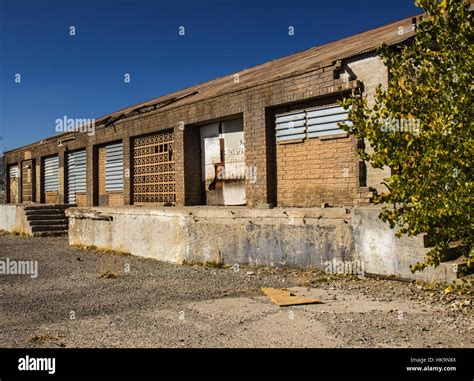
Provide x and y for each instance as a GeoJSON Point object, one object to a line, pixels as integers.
{"type": "Point", "coordinates": [283, 297]}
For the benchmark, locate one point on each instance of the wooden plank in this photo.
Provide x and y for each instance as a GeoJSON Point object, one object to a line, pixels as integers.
{"type": "Point", "coordinates": [284, 298]}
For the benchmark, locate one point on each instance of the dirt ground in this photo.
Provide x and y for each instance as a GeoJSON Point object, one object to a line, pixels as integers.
{"type": "Point", "coordinates": [84, 298]}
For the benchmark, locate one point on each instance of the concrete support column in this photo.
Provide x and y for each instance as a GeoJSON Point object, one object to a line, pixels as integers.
{"type": "Point", "coordinates": [255, 156]}
{"type": "Point", "coordinates": [37, 179]}
{"type": "Point", "coordinates": [178, 154]}
{"type": "Point", "coordinates": [90, 174]}
{"type": "Point", "coordinates": [127, 170]}
{"type": "Point", "coordinates": [62, 176]}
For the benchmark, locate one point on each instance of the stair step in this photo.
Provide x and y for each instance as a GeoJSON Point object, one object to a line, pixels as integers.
{"type": "Point", "coordinates": [50, 233]}
{"type": "Point", "coordinates": [36, 217]}
{"type": "Point", "coordinates": [47, 228]}
{"type": "Point", "coordinates": [62, 221]}
{"type": "Point", "coordinates": [47, 206]}
{"type": "Point", "coordinates": [43, 212]}
{"type": "Point", "coordinates": [47, 219]}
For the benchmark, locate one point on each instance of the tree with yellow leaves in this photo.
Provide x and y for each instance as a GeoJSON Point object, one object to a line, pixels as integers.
{"type": "Point", "coordinates": [430, 189]}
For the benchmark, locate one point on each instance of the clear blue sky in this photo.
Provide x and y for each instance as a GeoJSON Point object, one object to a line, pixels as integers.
{"type": "Point", "coordinates": [81, 76]}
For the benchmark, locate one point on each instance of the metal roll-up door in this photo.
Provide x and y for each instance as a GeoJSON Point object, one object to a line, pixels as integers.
{"type": "Point", "coordinates": [76, 178]}
{"type": "Point", "coordinates": [291, 126]}
{"type": "Point", "coordinates": [114, 168]}
{"type": "Point", "coordinates": [51, 174]}
{"type": "Point", "coordinates": [325, 121]}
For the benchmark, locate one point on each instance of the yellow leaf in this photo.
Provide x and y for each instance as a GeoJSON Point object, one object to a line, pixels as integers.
{"type": "Point", "coordinates": [442, 7]}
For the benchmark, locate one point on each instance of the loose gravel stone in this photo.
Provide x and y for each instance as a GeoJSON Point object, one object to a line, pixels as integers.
{"type": "Point", "coordinates": [85, 298]}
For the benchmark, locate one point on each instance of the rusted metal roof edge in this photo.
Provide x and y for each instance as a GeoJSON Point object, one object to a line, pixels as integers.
{"type": "Point", "coordinates": [195, 88]}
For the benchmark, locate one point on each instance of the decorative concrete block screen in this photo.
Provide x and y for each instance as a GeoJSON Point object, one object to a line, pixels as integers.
{"type": "Point", "coordinates": [154, 179]}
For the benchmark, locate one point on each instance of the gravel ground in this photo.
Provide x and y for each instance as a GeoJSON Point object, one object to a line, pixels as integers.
{"type": "Point", "coordinates": [85, 298]}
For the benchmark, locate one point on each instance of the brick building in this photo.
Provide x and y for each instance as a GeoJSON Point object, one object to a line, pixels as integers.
{"type": "Point", "coordinates": [265, 135]}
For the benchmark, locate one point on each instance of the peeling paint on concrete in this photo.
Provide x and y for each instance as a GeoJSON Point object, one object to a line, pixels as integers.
{"type": "Point", "coordinates": [302, 238]}
{"type": "Point", "coordinates": [13, 220]}
{"type": "Point", "coordinates": [299, 238]}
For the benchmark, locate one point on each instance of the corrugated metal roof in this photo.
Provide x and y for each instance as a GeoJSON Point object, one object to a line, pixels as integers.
{"type": "Point", "coordinates": [312, 58]}
{"type": "Point", "coordinates": [319, 56]}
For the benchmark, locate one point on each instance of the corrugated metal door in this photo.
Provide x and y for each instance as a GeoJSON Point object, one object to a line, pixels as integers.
{"type": "Point", "coordinates": [76, 177]}
{"type": "Point", "coordinates": [51, 174]}
{"type": "Point", "coordinates": [114, 167]}
{"type": "Point", "coordinates": [13, 175]}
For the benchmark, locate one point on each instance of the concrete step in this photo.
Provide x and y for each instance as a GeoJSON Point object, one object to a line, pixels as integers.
{"type": "Point", "coordinates": [62, 221]}
{"type": "Point", "coordinates": [448, 271]}
{"type": "Point", "coordinates": [458, 266]}
{"type": "Point", "coordinates": [421, 241]}
{"type": "Point", "coordinates": [52, 216]}
{"type": "Point", "coordinates": [50, 233]}
{"type": "Point", "coordinates": [47, 206]}
{"type": "Point", "coordinates": [49, 228]}
{"type": "Point", "coordinates": [47, 219]}
{"type": "Point", "coordinates": [34, 212]}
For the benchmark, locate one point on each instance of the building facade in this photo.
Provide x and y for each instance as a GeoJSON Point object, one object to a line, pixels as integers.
{"type": "Point", "coordinates": [265, 135]}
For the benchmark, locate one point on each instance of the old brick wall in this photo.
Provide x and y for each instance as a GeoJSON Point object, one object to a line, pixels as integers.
{"type": "Point", "coordinates": [370, 69]}
{"type": "Point", "coordinates": [317, 171]}
{"type": "Point", "coordinates": [253, 103]}
{"type": "Point", "coordinates": [115, 198]}
{"type": "Point", "coordinates": [106, 198]}
{"type": "Point", "coordinates": [103, 199]}
{"type": "Point", "coordinates": [27, 186]}
{"type": "Point", "coordinates": [51, 197]}
{"type": "Point", "coordinates": [192, 170]}
{"type": "Point", "coordinates": [81, 199]}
